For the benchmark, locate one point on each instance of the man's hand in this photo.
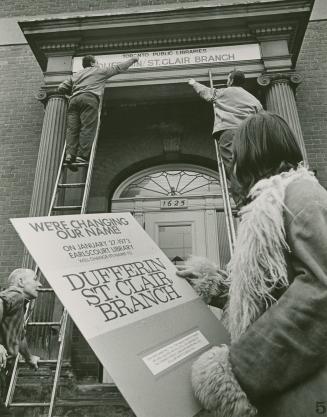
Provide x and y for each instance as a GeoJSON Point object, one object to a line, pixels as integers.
{"type": "Point", "coordinates": [191, 81]}
{"type": "Point", "coordinates": [33, 361]}
{"type": "Point", "coordinates": [136, 58]}
{"type": "Point", "coordinates": [3, 356]}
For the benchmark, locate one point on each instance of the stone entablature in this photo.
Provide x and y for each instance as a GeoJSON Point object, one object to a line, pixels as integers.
{"type": "Point", "coordinates": [137, 30]}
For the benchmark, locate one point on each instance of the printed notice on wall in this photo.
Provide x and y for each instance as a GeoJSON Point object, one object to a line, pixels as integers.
{"type": "Point", "coordinates": [123, 294]}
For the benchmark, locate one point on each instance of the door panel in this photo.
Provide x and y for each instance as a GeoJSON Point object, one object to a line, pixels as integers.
{"type": "Point", "coordinates": [182, 233]}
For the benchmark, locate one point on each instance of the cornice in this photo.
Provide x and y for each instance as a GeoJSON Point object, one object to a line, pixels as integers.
{"type": "Point", "coordinates": [289, 30]}
{"type": "Point", "coordinates": [263, 30]}
{"type": "Point", "coordinates": [252, 33]}
{"type": "Point", "coordinates": [182, 27]}
{"type": "Point", "coordinates": [171, 41]}
{"type": "Point", "coordinates": [238, 37]}
{"type": "Point", "coordinates": [148, 16]}
{"type": "Point", "coordinates": [54, 46]}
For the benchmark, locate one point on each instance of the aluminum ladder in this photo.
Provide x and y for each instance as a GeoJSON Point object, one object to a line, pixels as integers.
{"type": "Point", "coordinates": [62, 323]}
{"type": "Point", "coordinates": [224, 189]}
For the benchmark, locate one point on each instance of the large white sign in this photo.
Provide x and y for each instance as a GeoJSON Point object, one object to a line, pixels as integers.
{"type": "Point", "coordinates": [144, 323]}
{"type": "Point", "coordinates": [180, 57]}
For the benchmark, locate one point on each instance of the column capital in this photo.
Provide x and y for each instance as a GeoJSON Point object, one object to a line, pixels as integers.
{"type": "Point", "coordinates": [279, 89]}
{"type": "Point", "coordinates": [44, 95]}
{"type": "Point", "coordinates": [291, 78]}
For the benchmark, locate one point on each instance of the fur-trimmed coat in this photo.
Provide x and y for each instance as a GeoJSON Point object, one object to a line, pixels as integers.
{"type": "Point", "coordinates": [276, 365]}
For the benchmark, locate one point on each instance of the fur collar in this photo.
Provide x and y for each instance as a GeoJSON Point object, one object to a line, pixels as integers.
{"type": "Point", "coordinates": [258, 266]}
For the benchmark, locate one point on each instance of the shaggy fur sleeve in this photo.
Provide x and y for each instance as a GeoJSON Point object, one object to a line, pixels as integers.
{"type": "Point", "coordinates": [216, 387]}
{"type": "Point", "coordinates": [212, 284]}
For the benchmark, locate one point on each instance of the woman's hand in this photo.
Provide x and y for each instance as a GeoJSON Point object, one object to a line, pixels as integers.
{"type": "Point", "coordinates": [209, 282]}
{"type": "Point", "coordinates": [188, 272]}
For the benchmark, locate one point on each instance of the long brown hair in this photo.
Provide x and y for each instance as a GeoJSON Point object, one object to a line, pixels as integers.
{"type": "Point", "coordinates": [264, 145]}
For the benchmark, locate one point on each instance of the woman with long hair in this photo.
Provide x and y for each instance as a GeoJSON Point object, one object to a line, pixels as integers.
{"type": "Point", "coordinates": [274, 292]}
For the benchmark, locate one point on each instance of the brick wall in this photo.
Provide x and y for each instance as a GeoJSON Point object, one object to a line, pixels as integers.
{"type": "Point", "coordinates": [312, 96]}
{"type": "Point", "coordinates": [21, 117]}
{"type": "Point", "coordinates": [11, 8]}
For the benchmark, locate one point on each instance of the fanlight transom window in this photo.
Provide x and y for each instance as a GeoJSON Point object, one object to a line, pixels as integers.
{"type": "Point", "coordinates": [169, 182]}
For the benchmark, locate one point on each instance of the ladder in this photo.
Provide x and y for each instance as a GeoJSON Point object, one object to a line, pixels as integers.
{"type": "Point", "coordinates": [224, 189]}
{"type": "Point", "coordinates": [60, 185]}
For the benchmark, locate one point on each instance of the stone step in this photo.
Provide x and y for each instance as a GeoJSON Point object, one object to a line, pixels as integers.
{"type": "Point", "coordinates": [80, 400]}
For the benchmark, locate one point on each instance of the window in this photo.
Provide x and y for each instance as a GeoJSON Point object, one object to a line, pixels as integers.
{"type": "Point", "coordinates": [169, 182]}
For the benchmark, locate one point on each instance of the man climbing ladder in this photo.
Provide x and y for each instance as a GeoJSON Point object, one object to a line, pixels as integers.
{"type": "Point", "coordinates": [231, 106]}
{"type": "Point", "coordinates": [86, 88]}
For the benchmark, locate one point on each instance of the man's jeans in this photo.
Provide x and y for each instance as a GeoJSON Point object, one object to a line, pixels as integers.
{"type": "Point", "coordinates": [225, 144]}
{"type": "Point", "coordinates": [82, 120]}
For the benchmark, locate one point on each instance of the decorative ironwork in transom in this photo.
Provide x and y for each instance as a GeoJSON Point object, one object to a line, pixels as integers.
{"type": "Point", "coordinates": [170, 183]}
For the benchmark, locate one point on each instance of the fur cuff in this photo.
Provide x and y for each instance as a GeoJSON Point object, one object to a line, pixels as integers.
{"type": "Point", "coordinates": [216, 387]}
{"type": "Point", "coordinates": [210, 287]}
{"type": "Point", "coordinates": [211, 282]}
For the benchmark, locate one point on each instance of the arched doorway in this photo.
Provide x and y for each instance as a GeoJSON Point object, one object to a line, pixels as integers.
{"type": "Point", "coordinates": [180, 206]}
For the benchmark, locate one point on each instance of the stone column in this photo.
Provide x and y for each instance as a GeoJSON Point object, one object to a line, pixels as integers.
{"type": "Point", "coordinates": [280, 99]}
{"type": "Point", "coordinates": [47, 308]}
{"type": "Point", "coordinates": [50, 150]}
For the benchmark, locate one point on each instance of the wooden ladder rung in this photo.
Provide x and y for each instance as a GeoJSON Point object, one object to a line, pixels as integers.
{"type": "Point", "coordinates": [76, 164]}
{"type": "Point", "coordinates": [41, 361]}
{"type": "Point", "coordinates": [62, 208]}
{"type": "Point", "coordinates": [72, 185]}
{"type": "Point", "coordinates": [44, 323]}
{"type": "Point", "coordinates": [30, 405]}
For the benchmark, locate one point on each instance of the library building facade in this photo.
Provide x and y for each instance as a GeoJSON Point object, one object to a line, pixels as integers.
{"type": "Point", "coordinates": [155, 156]}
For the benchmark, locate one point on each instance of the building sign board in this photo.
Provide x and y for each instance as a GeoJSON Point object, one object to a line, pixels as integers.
{"type": "Point", "coordinates": [145, 324]}
{"type": "Point", "coordinates": [180, 57]}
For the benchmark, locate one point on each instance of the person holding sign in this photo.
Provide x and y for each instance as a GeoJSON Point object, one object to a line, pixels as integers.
{"type": "Point", "coordinates": [275, 294]}
{"type": "Point", "coordinates": [86, 88]}
{"type": "Point", "coordinates": [23, 285]}
{"type": "Point", "coordinates": [231, 106]}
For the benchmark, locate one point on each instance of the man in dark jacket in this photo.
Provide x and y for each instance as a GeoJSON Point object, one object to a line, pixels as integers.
{"type": "Point", "coordinates": [86, 88]}
{"type": "Point", "coordinates": [23, 285]}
